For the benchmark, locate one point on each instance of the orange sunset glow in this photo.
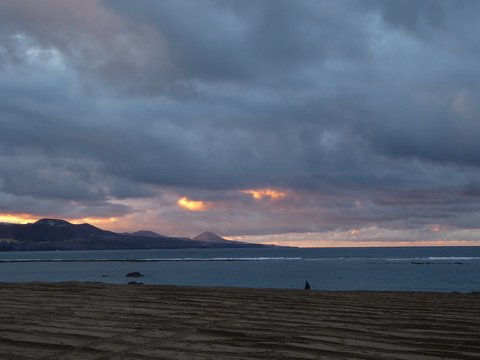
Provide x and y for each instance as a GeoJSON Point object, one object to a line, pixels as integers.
{"type": "Point", "coordinates": [193, 205]}
{"type": "Point", "coordinates": [270, 194]}
{"type": "Point", "coordinates": [366, 237]}
{"type": "Point", "coordinates": [438, 228]}
{"type": "Point", "coordinates": [96, 221]}
{"type": "Point", "coordinates": [27, 218]}
{"type": "Point", "coordinates": [17, 218]}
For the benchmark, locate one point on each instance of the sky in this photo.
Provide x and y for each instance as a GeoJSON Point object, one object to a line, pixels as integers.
{"type": "Point", "coordinates": [303, 123]}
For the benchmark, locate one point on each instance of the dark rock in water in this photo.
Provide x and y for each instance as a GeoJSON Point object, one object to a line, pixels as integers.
{"type": "Point", "coordinates": [135, 283]}
{"type": "Point", "coordinates": [134, 274]}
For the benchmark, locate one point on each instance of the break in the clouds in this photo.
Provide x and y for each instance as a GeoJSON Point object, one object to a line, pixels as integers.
{"type": "Point", "coordinates": [307, 122]}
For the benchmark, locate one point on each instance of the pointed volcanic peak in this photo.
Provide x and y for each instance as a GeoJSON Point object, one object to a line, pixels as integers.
{"type": "Point", "coordinates": [208, 236]}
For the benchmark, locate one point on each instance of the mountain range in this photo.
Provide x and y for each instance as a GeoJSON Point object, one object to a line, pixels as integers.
{"type": "Point", "coordinates": [56, 234]}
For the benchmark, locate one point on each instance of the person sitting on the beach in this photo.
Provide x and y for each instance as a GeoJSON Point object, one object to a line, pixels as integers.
{"type": "Point", "coordinates": [307, 286]}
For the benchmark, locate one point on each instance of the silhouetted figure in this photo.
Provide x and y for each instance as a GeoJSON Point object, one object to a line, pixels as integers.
{"type": "Point", "coordinates": [307, 286]}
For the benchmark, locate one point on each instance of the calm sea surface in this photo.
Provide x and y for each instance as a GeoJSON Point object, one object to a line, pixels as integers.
{"type": "Point", "coordinates": [443, 269]}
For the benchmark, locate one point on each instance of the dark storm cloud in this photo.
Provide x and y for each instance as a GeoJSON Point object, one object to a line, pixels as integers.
{"type": "Point", "coordinates": [359, 106]}
{"type": "Point", "coordinates": [249, 40]}
{"type": "Point", "coordinates": [429, 110]}
{"type": "Point", "coordinates": [417, 16]}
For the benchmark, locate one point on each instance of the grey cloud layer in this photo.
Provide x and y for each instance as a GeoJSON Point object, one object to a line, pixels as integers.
{"type": "Point", "coordinates": [359, 101]}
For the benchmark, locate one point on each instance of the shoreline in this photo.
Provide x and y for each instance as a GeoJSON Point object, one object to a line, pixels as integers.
{"type": "Point", "coordinates": [128, 282]}
{"type": "Point", "coordinates": [90, 320]}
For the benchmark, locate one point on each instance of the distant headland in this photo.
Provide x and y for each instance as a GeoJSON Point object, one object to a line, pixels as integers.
{"type": "Point", "coordinates": [56, 234]}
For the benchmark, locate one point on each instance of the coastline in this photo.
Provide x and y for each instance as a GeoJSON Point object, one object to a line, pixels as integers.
{"type": "Point", "coordinates": [81, 320]}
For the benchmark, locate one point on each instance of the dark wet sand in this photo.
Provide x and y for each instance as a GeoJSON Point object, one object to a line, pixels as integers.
{"type": "Point", "coordinates": [99, 321]}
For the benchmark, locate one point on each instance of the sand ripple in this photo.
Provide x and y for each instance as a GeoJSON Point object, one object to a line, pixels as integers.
{"type": "Point", "coordinates": [98, 321]}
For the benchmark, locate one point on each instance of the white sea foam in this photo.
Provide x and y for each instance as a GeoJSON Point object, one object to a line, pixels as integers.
{"type": "Point", "coordinates": [262, 258]}
{"type": "Point", "coordinates": [453, 258]}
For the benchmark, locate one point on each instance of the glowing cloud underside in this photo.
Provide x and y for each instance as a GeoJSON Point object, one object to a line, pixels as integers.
{"type": "Point", "coordinates": [26, 218]}
{"type": "Point", "coordinates": [192, 205]}
{"type": "Point", "coordinates": [17, 219]}
{"type": "Point", "coordinates": [260, 194]}
{"type": "Point", "coordinates": [439, 228]}
{"type": "Point", "coordinates": [94, 220]}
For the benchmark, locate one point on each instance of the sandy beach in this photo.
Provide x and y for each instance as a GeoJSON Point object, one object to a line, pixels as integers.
{"type": "Point", "coordinates": [99, 321]}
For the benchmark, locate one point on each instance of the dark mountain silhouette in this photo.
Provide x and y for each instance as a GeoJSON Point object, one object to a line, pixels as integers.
{"type": "Point", "coordinates": [55, 234]}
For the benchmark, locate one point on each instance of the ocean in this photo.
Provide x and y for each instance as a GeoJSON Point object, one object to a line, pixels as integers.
{"type": "Point", "coordinates": [442, 269]}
